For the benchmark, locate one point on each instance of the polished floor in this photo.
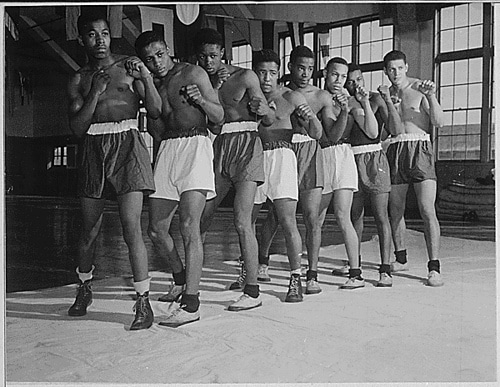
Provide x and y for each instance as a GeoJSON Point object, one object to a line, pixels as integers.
{"type": "Point", "coordinates": [42, 235]}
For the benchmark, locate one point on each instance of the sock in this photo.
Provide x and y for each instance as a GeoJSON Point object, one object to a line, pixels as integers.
{"type": "Point", "coordinates": [142, 287]}
{"type": "Point", "coordinates": [385, 269]}
{"type": "Point", "coordinates": [180, 278]}
{"type": "Point", "coordinates": [359, 260]}
{"type": "Point", "coordinates": [433, 264]}
{"type": "Point", "coordinates": [190, 302]}
{"type": "Point", "coordinates": [401, 256]}
{"type": "Point", "coordinates": [296, 271]}
{"type": "Point", "coordinates": [312, 274]}
{"type": "Point", "coordinates": [251, 290]}
{"type": "Point", "coordinates": [85, 276]}
{"type": "Point", "coordinates": [354, 273]}
{"type": "Point", "coordinates": [263, 260]}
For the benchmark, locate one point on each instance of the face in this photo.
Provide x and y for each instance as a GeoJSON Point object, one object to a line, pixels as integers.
{"type": "Point", "coordinates": [96, 39]}
{"type": "Point", "coordinates": [354, 79]}
{"type": "Point", "coordinates": [301, 71]}
{"type": "Point", "coordinates": [268, 73]}
{"type": "Point", "coordinates": [210, 57]}
{"type": "Point", "coordinates": [396, 71]}
{"type": "Point", "coordinates": [335, 77]}
{"type": "Point", "coordinates": [155, 57]}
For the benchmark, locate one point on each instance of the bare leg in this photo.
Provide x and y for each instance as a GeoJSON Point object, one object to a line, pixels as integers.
{"type": "Point", "coordinates": [243, 206]}
{"type": "Point", "coordinates": [323, 207]}
{"type": "Point", "coordinates": [222, 187]}
{"type": "Point", "coordinates": [342, 202]}
{"type": "Point", "coordinates": [286, 209]}
{"type": "Point", "coordinates": [426, 197]}
{"type": "Point", "coordinates": [379, 207]}
{"type": "Point", "coordinates": [357, 216]}
{"type": "Point", "coordinates": [310, 201]}
{"type": "Point", "coordinates": [161, 213]}
{"type": "Point", "coordinates": [130, 207]}
{"type": "Point", "coordinates": [190, 210]}
{"type": "Point", "coordinates": [397, 205]}
{"type": "Point", "coordinates": [92, 210]}
{"type": "Point", "coordinates": [268, 231]}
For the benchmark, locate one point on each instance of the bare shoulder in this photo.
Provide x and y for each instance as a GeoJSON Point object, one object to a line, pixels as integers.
{"type": "Point", "coordinates": [323, 96]}
{"type": "Point", "coordinates": [244, 75]}
{"type": "Point", "coordinates": [295, 97]}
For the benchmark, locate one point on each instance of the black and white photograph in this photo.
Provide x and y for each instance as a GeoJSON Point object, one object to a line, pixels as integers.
{"type": "Point", "coordinates": [249, 193]}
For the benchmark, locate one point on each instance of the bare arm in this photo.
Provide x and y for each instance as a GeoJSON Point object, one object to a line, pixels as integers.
{"type": "Point", "coordinates": [336, 130]}
{"type": "Point", "coordinates": [366, 121]}
{"type": "Point", "coordinates": [428, 88]}
{"type": "Point", "coordinates": [144, 86]}
{"type": "Point", "coordinates": [203, 95]}
{"type": "Point", "coordinates": [81, 109]}
{"type": "Point", "coordinates": [156, 128]}
{"type": "Point", "coordinates": [306, 117]}
{"type": "Point", "coordinates": [258, 103]}
{"type": "Point", "coordinates": [393, 123]}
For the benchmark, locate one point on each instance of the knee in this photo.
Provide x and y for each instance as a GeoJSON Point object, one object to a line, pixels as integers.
{"type": "Point", "coordinates": [154, 233]}
{"type": "Point", "coordinates": [189, 227]}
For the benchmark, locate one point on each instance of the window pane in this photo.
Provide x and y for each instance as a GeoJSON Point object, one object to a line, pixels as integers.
{"type": "Point", "coordinates": [346, 53]}
{"type": "Point", "coordinates": [474, 117]}
{"type": "Point", "coordinates": [376, 30]}
{"type": "Point", "coordinates": [458, 147]}
{"type": "Point", "coordinates": [476, 36]}
{"type": "Point", "coordinates": [475, 95]}
{"type": "Point", "coordinates": [376, 54]}
{"type": "Point", "coordinates": [364, 32]}
{"type": "Point", "coordinates": [447, 41]}
{"type": "Point", "coordinates": [447, 73]}
{"type": "Point", "coordinates": [473, 146]}
{"type": "Point", "coordinates": [447, 17]}
{"type": "Point", "coordinates": [387, 32]}
{"type": "Point", "coordinates": [461, 71]}
{"type": "Point", "coordinates": [446, 98]}
{"type": "Point", "coordinates": [364, 53]}
{"type": "Point", "coordinates": [444, 146]}
{"type": "Point", "coordinates": [346, 35]}
{"type": "Point", "coordinates": [387, 46]}
{"type": "Point", "coordinates": [476, 70]}
{"type": "Point", "coordinates": [459, 121]}
{"type": "Point", "coordinates": [309, 40]}
{"type": "Point", "coordinates": [461, 39]}
{"type": "Point", "coordinates": [335, 37]}
{"type": "Point", "coordinates": [475, 13]}
{"type": "Point", "coordinates": [461, 15]}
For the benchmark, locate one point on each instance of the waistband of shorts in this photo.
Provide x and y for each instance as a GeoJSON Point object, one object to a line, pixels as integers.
{"type": "Point", "coordinates": [242, 126]}
{"type": "Point", "coordinates": [410, 137]}
{"type": "Point", "coordinates": [267, 146]}
{"type": "Point", "coordinates": [327, 144]}
{"type": "Point", "coordinates": [299, 137]}
{"type": "Point", "coordinates": [358, 149]}
{"type": "Point", "coordinates": [113, 127]}
{"type": "Point", "coordinates": [190, 132]}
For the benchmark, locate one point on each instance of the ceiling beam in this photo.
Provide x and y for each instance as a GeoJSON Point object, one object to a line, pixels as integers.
{"type": "Point", "coordinates": [52, 48]}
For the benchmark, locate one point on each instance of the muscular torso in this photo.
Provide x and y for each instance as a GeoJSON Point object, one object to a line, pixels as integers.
{"type": "Point", "coordinates": [177, 113]}
{"type": "Point", "coordinates": [234, 98]}
{"type": "Point", "coordinates": [311, 94]}
{"type": "Point", "coordinates": [282, 128]}
{"type": "Point", "coordinates": [119, 101]}
{"type": "Point", "coordinates": [413, 116]}
{"type": "Point", "coordinates": [357, 136]}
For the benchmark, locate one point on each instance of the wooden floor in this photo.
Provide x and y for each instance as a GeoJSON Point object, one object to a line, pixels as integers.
{"type": "Point", "coordinates": [42, 235]}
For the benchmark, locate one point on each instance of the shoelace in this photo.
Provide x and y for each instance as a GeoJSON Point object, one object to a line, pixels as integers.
{"type": "Point", "coordinates": [140, 305]}
{"type": "Point", "coordinates": [294, 286]}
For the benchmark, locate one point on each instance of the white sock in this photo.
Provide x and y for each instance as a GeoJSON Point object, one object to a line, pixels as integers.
{"type": "Point", "coordinates": [296, 271]}
{"type": "Point", "coordinates": [142, 287]}
{"type": "Point", "coordinates": [85, 276]}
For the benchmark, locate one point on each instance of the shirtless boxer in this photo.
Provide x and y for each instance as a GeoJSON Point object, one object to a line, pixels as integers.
{"type": "Point", "coordinates": [310, 168]}
{"type": "Point", "coordinates": [103, 108]}
{"type": "Point", "coordinates": [183, 170]}
{"type": "Point", "coordinates": [411, 159]}
{"type": "Point", "coordinates": [280, 162]}
{"type": "Point", "coordinates": [238, 153]}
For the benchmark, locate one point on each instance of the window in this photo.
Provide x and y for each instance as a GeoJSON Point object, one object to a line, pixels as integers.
{"type": "Point", "coordinates": [63, 156]}
{"type": "Point", "coordinates": [464, 75]}
{"type": "Point", "coordinates": [360, 41]}
{"type": "Point", "coordinates": [242, 56]}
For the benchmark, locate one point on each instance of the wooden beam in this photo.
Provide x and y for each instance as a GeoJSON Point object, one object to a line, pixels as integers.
{"type": "Point", "coordinates": [52, 48]}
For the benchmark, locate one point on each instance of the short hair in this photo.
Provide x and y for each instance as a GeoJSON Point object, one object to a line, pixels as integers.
{"type": "Point", "coordinates": [147, 38]}
{"type": "Point", "coordinates": [265, 55]}
{"type": "Point", "coordinates": [207, 36]}
{"type": "Point", "coordinates": [353, 67]}
{"type": "Point", "coordinates": [86, 18]}
{"type": "Point", "coordinates": [300, 52]}
{"type": "Point", "coordinates": [394, 55]}
{"type": "Point", "coordinates": [337, 60]}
